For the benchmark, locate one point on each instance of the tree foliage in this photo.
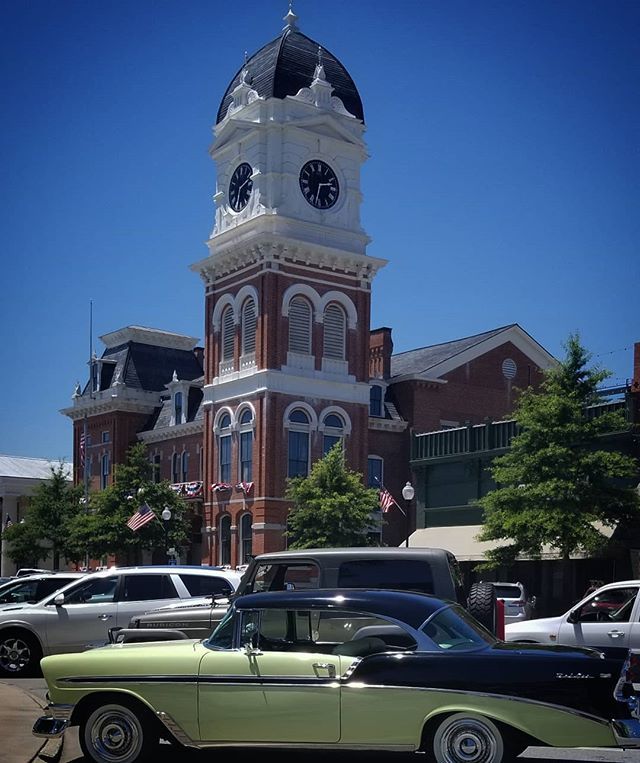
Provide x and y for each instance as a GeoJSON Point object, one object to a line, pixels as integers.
{"type": "Point", "coordinates": [45, 530]}
{"type": "Point", "coordinates": [102, 529]}
{"type": "Point", "coordinates": [557, 484]}
{"type": "Point", "coordinates": [331, 507]}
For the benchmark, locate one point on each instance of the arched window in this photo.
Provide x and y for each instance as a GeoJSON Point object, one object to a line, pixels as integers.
{"type": "Point", "coordinates": [246, 446]}
{"type": "Point", "coordinates": [225, 448]}
{"type": "Point", "coordinates": [246, 541]}
{"type": "Point", "coordinates": [334, 332]}
{"type": "Point", "coordinates": [224, 533]}
{"type": "Point", "coordinates": [185, 466]}
{"type": "Point", "coordinates": [298, 444]}
{"type": "Point", "coordinates": [300, 326]}
{"type": "Point", "coordinates": [175, 467]}
{"type": "Point", "coordinates": [177, 408]}
{"type": "Point", "coordinates": [228, 333]}
{"type": "Point", "coordinates": [333, 432]}
{"type": "Point", "coordinates": [249, 324]}
{"type": "Point", "coordinates": [375, 400]}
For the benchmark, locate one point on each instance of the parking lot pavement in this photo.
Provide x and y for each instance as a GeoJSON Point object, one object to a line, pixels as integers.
{"type": "Point", "coordinates": [19, 709]}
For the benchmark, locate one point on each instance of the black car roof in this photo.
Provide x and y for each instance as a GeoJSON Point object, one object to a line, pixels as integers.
{"type": "Point", "coordinates": [364, 552]}
{"type": "Point", "coordinates": [407, 606]}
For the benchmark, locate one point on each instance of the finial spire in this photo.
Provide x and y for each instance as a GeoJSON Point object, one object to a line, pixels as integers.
{"type": "Point", "coordinates": [290, 18]}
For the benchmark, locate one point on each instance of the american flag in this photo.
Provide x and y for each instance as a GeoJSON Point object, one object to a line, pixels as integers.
{"type": "Point", "coordinates": [386, 500]}
{"type": "Point", "coordinates": [246, 487]}
{"type": "Point", "coordinates": [141, 517]}
{"type": "Point", "coordinates": [82, 448]}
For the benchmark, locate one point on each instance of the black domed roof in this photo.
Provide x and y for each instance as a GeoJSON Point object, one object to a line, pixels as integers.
{"type": "Point", "coordinates": [287, 64]}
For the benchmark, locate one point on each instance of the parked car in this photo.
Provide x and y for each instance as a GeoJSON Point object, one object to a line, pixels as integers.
{"type": "Point", "coordinates": [607, 619]}
{"type": "Point", "coordinates": [518, 605]}
{"type": "Point", "coordinates": [343, 669]}
{"type": "Point", "coordinates": [32, 588]}
{"type": "Point", "coordinates": [80, 615]}
{"type": "Point", "coordinates": [29, 571]}
{"type": "Point", "coordinates": [427, 570]}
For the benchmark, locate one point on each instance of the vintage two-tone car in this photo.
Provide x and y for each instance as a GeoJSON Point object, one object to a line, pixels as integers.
{"type": "Point", "coordinates": [342, 669]}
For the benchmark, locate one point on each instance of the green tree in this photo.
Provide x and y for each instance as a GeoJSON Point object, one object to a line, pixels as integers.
{"type": "Point", "coordinates": [557, 484]}
{"type": "Point", "coordinates": [45, 529]}
{"type": "Point", "coordinates": [331, 507]}
{"type": "Point", "coordinates": [102, 529]}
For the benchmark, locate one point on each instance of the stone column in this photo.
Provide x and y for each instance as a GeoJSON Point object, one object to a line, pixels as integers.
{"type": "Point", "coordinates": [9, 509]}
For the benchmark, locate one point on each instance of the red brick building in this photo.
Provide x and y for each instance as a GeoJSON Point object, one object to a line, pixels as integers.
{"type": "Point", "coordinates": [289, 363]}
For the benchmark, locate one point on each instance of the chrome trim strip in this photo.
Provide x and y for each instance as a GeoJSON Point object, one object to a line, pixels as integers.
{"type": "Point", "coordinates": [195, 680]}
{"type": "Point", "coordinates": [47, 727]}
{"type": "Point", "coordinates": [489, 695]}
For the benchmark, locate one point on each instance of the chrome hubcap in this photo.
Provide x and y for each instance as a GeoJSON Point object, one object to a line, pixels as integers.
{"type": "Point", "coordinates": [469, 742]}
{"type": "Point", "coordinates": [15, 655]}
{"type": "Point", "coordinates": [115, 737]}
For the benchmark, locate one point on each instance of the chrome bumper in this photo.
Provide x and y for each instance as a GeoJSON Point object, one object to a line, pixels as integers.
{"type": "Point", "coordinates": [49, 727]}
{"type": "Point", "coordinates": [627, 732]}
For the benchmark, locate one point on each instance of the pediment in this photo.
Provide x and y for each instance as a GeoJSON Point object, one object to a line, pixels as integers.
{"type": "Point", "coordinates": [233, 130]}
{"type": "Point", "coordinates": [329, 127]}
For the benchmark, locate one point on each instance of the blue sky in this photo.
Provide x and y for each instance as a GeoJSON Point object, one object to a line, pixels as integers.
{"type": "Point", "coordinates": [502, 185]}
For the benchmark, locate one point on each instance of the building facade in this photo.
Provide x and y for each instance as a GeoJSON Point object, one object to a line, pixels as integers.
{"type": "Point", "coordinates": [290, 364]}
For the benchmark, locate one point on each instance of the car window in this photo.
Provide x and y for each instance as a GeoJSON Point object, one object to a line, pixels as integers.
{"type": "Point", "coordinates": [282, 577]}
{"type": "Point", "coordinates": [454, 628]}
{"type": "Point", "coordinates": [222, 636]}
{"type": "Point", "coordinates": [507, 591]}
{"type": "Point", "coordinates": [203, 585]}
{"type": "Point", "coordinates": [401, 574]}
{"type": "Point", "coordinates": [20, 592]}
{"type": "Point", "coordinates": [147, 588]}
{"type": "Point", "coordinates": [94, 591]}
{"type": "Point", "coordinates": [611, 605]}
{"type": "Point", "coordinates": [45, 587]}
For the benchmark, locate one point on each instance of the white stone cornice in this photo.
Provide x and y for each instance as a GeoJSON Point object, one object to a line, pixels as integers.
{"type": "Point", "coordinates": [143, 335]}
{"type": "Point", "coordinates": [293, 382]}
{"type": "Point", "coordinates": [171, 433]}
{"type": "Point", "coordinates": [387, 425]}
{"type": "Point", "coordinates": [232, 254]}
{"type": "Point", "coordinates": [113, 399]}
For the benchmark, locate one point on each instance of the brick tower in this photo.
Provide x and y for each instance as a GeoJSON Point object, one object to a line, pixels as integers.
{"type": "Point", "coordinates": [287, 290]}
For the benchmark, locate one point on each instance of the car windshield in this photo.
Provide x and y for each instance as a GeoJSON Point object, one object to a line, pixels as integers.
{"type": "Point", "coordinates": [222, 636]}
{"type": "Point", "coordinates": [454, 628]}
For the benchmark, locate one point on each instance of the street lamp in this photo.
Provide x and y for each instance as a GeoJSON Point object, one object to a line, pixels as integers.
{"type": "Point", "coordinates": [407, 493]}
{"type": "Point", "coordinates": [166, 518]}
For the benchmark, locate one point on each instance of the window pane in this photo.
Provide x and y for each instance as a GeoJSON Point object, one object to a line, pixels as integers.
{"type": "Point", "coordinates": [375, 401]}
{"type": "Point", "coordinates": [185, 465]}
{"type": "Point", "coordinates": [246, 538]}
{"type": "Point", "coordinates": [93, 592]}
{"type": "Point", "coordinates": [225, 421]}
{"type": "Point", "coordinates": [225, 458]}
{"type": "Point", "coordinates": [333, 420]}
{"type": "Point", "coordinates": [298, 417]}
{"type": "Point", "coordinates": [328, 442]}
{"type": "Point", "coordinates": [403, 574]}
{"type": "Point", "coordinates": [246, 456]}
{"type": "Point", "coordinates": [225, 540]}
{"type": "Point", "coordinates": [203, 585]}
{"type": "Point", "coordinates": [246, 417]}
{"type": "Point", "coordinates": [298, 454]}
{"type": "Point", "coordinates": [374, 467]}
{"type": "Point", "coordinates": [177, 401]}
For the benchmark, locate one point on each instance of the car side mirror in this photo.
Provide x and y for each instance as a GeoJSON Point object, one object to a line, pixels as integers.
{"type": "Point", "coordinates": [59, 600]}
{"type": "Point", "coordinates": [574, 616]}
{"type": "Point", "coordinates": [533, 601]}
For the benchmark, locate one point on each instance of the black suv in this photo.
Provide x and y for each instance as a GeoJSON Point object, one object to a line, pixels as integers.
{"type": "Point", "coordinates": [425, 570]}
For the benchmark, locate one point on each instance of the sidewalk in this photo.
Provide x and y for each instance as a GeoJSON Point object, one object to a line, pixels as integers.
{"type": "Point", "coordinates": [19, 710]}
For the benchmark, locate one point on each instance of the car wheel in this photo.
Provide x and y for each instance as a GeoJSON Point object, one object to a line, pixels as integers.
{"type": "Point", "coordinates": [467, 738]}
{"type": "Point", "coordinates": [116, 733]}
{"type": "Point", "coordinates": [482, 604]}
{"type": "Point", "coordinates": [20, 653]}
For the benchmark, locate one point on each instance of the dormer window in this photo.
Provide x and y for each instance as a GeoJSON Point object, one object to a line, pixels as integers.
{"type": "Point", "coordinates": [177, 408]}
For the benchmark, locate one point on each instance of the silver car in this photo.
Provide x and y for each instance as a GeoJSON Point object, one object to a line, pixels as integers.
{"type": "Point", "coordinates": [518, 605]}
{"type": "Point", "coordinates": [33, 588]}
{"type": "Point", "coordinates": [81, 614]}
{"type": "Point", "coordinates": [607, 619]}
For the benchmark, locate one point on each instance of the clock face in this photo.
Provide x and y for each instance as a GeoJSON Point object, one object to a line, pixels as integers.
{"type": "Point", "coordinates": [319, 184]}
{"type": "Point", "coordinates": [240, 187]}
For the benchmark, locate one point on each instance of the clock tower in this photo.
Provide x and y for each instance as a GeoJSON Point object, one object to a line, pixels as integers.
{"type": "Point", "coordinates": [287, 290]}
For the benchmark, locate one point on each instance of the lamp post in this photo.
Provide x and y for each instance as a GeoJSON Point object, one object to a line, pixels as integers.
{"type": "Point", "coordinates": [166, 518]}
{"type": "Point", "coordinates": [407, 493]}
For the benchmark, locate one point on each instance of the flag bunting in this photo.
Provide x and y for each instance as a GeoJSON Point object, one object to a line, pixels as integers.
{"type": "Point", "coordinates": [246, 487]}
{"type": "Point", "coordinates": [218, 486]}
{"type": "Point", "coordinates": [141, 517]}
{"type": "Point", "coordinates": [82, 448]}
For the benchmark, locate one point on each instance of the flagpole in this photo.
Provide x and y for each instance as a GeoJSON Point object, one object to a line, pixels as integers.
{"type": "Point", "coordinates": [85, 425]}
